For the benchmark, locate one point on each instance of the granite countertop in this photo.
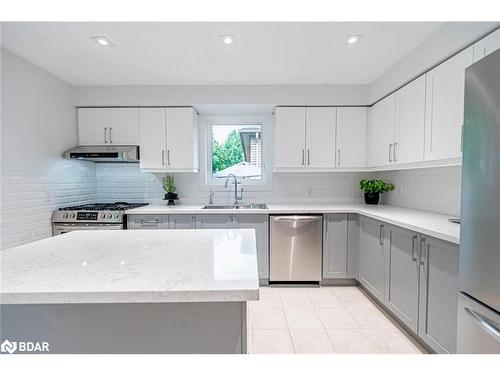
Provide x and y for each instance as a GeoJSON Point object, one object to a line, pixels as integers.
{"type": "Point", "coordinates": [140, 266]}
{"type": "Point", "coordinates": [428, 223]}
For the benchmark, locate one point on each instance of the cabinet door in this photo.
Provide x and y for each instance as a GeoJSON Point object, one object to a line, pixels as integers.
{"type": "Point", "coordinates": [123, 126]}
{"type": "Point", "coordinates": [445, 107]}
{"type": "Point", "coordinates": [182, 144]}
{"type": "Point", "coordinates": [402, 271]}
{"type": "Point", "coordinates": [410, 123]}
{"type": "Point", "coordinates": [487, 45]}
{"type": "Point", "coordinates": [320, 137]}
{"type": "Point", "coordinates": [152, 138]}
{"type": "Point", "coordinates": [213, 221]}
{"type": "Point", "coordinates": [261, 225]}
{"type": "Point", "coordinates": [380, 132]}
{"type": "Point", "coordinates": [147, 222]}
{"type": "Point", "coordinates": [92, 126]}
{"type": "Point", "coordinates": [289, 137]}
{"type": "Point", "coordinates": [335, 246]}
{"type": "Point", "coordinates": [438, 294]}
{"type": "Point", "coordinates": [351, 137]}
{"type": "Point", "coordinates": [182, 222]}
{"type": "Point", "coordinates": [371, 256]}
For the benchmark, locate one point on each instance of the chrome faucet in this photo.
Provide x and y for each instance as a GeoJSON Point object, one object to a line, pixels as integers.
{"type": "Point", "coordinates": [236, 198]}
{"type": "Point", "coordinates": [211, 197]}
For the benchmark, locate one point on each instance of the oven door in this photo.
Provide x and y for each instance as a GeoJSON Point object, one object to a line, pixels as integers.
{"type": "Point", "coordinates": [61, 228]}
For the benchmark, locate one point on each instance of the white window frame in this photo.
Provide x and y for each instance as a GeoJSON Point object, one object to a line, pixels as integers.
{"type": "Point", "coordinates": [266, 122]}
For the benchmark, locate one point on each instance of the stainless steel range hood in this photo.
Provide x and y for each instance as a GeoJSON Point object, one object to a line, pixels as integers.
{"type": "Point", "coordinates": [108, 154]}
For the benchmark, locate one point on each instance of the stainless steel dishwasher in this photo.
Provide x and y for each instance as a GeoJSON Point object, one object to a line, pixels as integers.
{"type": "Point", "coordinates": [296, 248]}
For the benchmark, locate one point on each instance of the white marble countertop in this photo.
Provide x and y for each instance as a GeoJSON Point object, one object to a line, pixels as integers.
{"type": "Point", "coordinates": [429, 223]}
{"type": "Point", "coordinates": [140, 266]}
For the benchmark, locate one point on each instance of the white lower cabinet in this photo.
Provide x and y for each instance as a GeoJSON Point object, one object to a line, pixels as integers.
{"type": "Point", "coordinates": [335, 246]}
{"type": "Point", "coordinates": [415, 277]}
{"type": "Point", "coordinates": [182, 221]}
{"type": "Point", "coordinates": [371, 256]}
{"type": "Point", "coordinates": [402, 274]}
{"type": "Point", "coordinates": [209, 221]}
{"type": "Point", "coordinates": [261, 225]}
{"type": "Point", "coordinates": [438, 294]}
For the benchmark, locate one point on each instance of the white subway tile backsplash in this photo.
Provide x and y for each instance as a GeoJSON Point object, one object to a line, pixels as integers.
{"type": "Point", "coordinates": [429, 189]}
{"type": "Point", "coordinates": [28, 201]}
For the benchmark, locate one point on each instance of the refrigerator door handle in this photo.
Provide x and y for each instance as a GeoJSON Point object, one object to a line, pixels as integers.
{"type": "Point", "coordinates": [487, 325]}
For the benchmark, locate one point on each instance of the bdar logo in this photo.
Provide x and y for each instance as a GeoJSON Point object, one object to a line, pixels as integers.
{"type": "Point", "coordinates": [8, 347]}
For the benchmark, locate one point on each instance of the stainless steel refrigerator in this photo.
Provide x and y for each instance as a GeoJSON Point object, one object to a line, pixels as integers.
{"type": "Point", "coordinates": [479, 298]}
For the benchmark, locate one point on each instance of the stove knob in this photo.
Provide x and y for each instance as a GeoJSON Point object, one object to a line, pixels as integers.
{"type": "Point", "coordinates": [72, 215]}
{"type": "Point", "coordinates": [102, 216]}
{"type": "Point", "coordinates": [108, 216]}
{"type": "Point", "coordinates": [65, 215]}
{"type": "Point", "coordinates": [117, 215]}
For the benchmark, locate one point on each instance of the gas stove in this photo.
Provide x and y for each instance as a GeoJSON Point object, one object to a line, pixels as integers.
{"type": "Point", "coordinates": [91, 216]}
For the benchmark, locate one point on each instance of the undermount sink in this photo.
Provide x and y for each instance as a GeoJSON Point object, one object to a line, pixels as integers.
{"type": "Point", "coordinates": [249, 206]}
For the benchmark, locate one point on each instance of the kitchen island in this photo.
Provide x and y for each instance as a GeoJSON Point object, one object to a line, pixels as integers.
{"type": "Point", "coordinates": [164, 291]}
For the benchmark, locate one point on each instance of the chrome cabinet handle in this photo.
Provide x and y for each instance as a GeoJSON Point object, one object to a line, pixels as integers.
{"type": "Point", "coordinates": [110, 140]}
{"type": "Point", "coordinates": [390, 152]}
{"type": "Point", "coordinates": [486, 324]}
{"type": "Point", "coordinates": [105, 135]}
{"type": "Point", "coordinates": [394, 152]}
{"type": "Point", "coordinates": [338, 152]}
{"type": "Point", "coordinates": [381, 242]}
{"type": "Point", "coordinates": [413, 248]}
{"type": "Point", "coordinates": [308, 158]}
{"type": "Point", "coordinates": [168, 157]}
{"type": "Point", "coordinates": [462, 138]}
{"type": "Point", "coordinates": [303, 162]}
{"type": "Point", "coordinates": [422, 250]}
{"type": "Point", "coordinates": [163, 157]}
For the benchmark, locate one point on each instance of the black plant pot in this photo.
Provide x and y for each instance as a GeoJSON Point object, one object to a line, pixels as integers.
{"type": "Point", "coordinates": [171, 197]}
{"type": "Point", "coordinates": [372, 198]}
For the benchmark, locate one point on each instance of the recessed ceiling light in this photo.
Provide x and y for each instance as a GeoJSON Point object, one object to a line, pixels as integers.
{"type": "Point", "coordinates": [227, 39]}
{"type": "Point", "coordinates": [351, 39]}
{"type": "Point", "coordinates": [102, 41]}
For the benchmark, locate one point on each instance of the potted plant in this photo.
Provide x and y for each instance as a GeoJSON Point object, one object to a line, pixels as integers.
{"type": "Point", "coordinates": [373, 188]}
{"type": "Point", "coordinates": [169, 187]}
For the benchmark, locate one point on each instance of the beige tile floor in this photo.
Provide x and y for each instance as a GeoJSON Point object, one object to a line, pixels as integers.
{"type": "Point", "coordinates": [314, 320]}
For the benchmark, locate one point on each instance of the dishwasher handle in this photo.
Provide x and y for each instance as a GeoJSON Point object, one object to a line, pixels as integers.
{"type": "Point", "coordinates": [300, 219]}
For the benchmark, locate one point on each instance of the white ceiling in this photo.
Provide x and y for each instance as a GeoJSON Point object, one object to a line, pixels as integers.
{"type": "Point", "coordinates": [192, 53]}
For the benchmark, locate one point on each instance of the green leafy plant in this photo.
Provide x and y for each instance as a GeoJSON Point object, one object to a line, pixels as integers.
{"type": "Point", "coordinates": [375, 186]}
{"type": "Point", "coordinates": [169, 184]}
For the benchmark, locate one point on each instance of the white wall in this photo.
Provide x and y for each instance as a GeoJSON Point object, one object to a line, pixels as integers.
{"type": "Point", "coordinates": [448, 40]}
{"type": "Point", "coordinates": [38, 125]}
{"type": "Point", "coordinates": [224, 94]}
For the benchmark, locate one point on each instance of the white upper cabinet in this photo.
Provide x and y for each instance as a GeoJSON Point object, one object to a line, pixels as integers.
{"type": "Point", "coordinates": [445, 107]}
{"type": "Point", "coordinates": [380, 132]}
{"type": "Point", "coordinates": [487, 45]}
{"type": "Point", "coordinates": [182, 139]}
{"type": "Point", "coordinates": [289, 137]}
{"type": "Point", "coordinates": [108, 126]}
{"type": "Point", "coordinates": [351, 137]}
{"type": "Point", "coordinates": [320, 137]}
{"type": "Point", "coordinates": [168, 139]}
{"type": "Point", "coordinates": [152, 138]}
{"type": "Point", "coordinates": [92, 126]}
{"type": "Point", "coordinates": [410, 123]}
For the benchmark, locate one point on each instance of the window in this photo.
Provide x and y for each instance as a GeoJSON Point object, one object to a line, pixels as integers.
{"type": "Point", "coordinates": [236, 149]}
